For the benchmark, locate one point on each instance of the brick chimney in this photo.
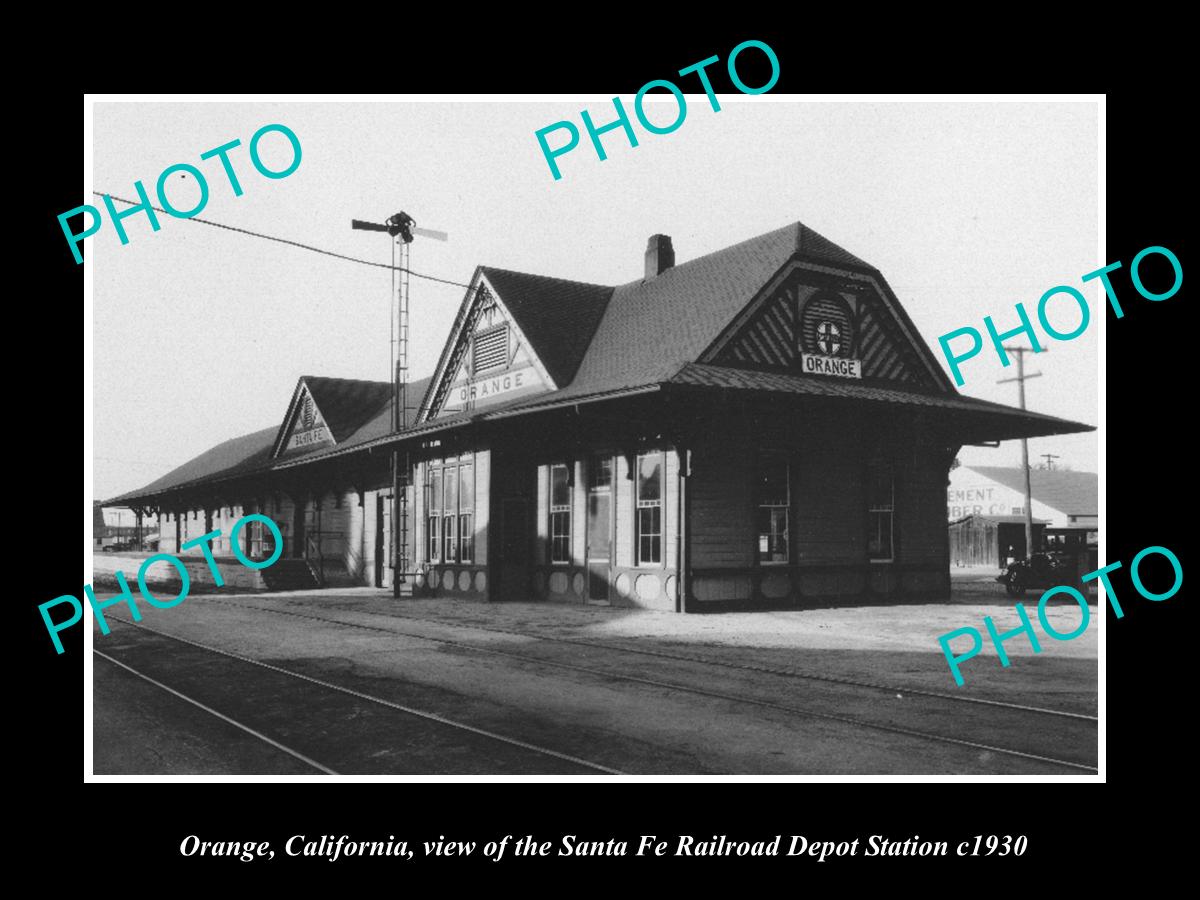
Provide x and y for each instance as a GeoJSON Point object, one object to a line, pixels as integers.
{"type": "Point", "coordinates": [660, 255]}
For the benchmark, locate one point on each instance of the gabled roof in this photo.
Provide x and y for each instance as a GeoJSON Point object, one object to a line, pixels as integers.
{"type": "Point", "coordinates": [374, 428]}
{"type": "Point", "coordinates": [236, 455]}
{"type": "Point", "coordinates": [1071, 493]}
{"type": "Point", "coordinates": [652, 328]}
{"type": "Point", "coordinates": [347, 403]}
{"type": "Point", "coordinates": [594, 339]}
{"type": "Point", "coordinates": [342, 400]}
{"type": "Point", "coordinates": [598, 342]}
{"type": "Point", "coordinates": [558, 316]}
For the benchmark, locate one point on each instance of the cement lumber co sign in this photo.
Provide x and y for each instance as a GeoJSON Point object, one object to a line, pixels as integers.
{"type": "Point", "coordinates": [622, 120]}
{"type": "Point", "coordinates": [1026, 626]}
{"type": "Point", "coordinates": [222, 153]}
{"type": "Point", "coordinates": [812, 364]}
{"type": "Point", "coordinates": [204, 542]}
{"type": "Point", "coordinates": [1026, 327]}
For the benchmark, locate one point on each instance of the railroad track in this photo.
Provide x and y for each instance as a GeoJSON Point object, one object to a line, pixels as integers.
{"type": "Point", "coordinates": [295, 754]}
{"type": "Point", "coordinates": [359, 696]}
{"type": "Point", "coordinates": [767, 670]}
{"type": "Point", "coordinates": [720, 695]}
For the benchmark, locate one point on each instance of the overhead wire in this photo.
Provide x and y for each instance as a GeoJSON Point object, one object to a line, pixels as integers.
{"type": "Point", "coordinates": [393, 268]}
{"type": "Point", "coordinates": [267, 237]}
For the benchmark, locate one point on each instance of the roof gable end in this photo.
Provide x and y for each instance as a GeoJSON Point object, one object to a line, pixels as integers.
{"type": "Point", "coordinates": [514, 334]}
{"type": "Point", "coordinates": [826, 313]}
{"type": "Point", "coordinates": [323, 412]}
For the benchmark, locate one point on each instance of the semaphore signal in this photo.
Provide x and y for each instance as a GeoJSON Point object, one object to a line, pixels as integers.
{"type": "Point", "coordinates": [402, 228]}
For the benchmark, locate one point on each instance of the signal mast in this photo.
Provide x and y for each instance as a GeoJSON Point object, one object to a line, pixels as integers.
{"type": "Point", "coordinates": [402, 227]}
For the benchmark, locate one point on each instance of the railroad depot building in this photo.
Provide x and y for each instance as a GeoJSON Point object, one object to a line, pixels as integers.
{"type": "Point", "coordinates": [760, 426]}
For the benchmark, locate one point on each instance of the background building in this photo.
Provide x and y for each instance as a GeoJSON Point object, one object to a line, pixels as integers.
{"type": "Point", "coordinates": [986, 506]}
{"type": "Point", "coordinates": [993, 541]}
{"type": "Point", "coordinates": [116, 528]}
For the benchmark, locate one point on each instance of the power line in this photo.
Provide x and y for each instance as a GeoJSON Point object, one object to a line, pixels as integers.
{"type": "Point", "coordinates": [268, 237]}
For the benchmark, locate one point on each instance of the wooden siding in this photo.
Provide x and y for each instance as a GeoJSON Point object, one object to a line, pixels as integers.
{"type": "Point", "coordinates": [827, 519]}
{"type": "Point", "coordinates": [721, 522]}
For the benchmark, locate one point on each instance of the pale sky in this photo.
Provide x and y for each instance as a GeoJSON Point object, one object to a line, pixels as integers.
{"type": "Point", "coordinates": [201, 334]}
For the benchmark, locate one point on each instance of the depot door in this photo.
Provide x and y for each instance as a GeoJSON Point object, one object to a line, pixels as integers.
{"type": "Point", "coordinates": [514, 549]}
{"type": "Point", "coordinates": [599, 528]}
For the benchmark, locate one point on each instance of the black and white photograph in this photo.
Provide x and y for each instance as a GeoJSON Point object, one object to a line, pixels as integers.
{"type": "Point", "coordinates": [525, 437]}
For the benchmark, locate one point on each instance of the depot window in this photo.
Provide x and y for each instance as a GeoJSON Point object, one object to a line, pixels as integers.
{"type": "Point", "coordinates": [434, 520]}
{"type": "Point", "coordinates": [466, 510]}
{"type": "Point", "coordinates": [880, 513]}
{"type": "Point", "coordinates": [648, 524]}
{"type": "Point", "coordinates": [450, 514]}
{"type": "Point", "coordinates": [772, 498]}
{"type": "Point", "coordinates": [560, 514]}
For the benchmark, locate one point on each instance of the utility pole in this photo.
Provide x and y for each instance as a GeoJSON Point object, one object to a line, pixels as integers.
{"type": "Point", "coordinates": [1049, 458]}
{"type": "Point", "coordinates": [1020, 380]}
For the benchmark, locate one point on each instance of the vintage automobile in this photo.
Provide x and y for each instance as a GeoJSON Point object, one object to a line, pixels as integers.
{"type": "Point", "coordinates": [1042, 570]}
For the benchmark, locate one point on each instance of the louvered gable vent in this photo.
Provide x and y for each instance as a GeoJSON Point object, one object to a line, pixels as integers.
{"type": "Point", "coordinates": [491, 349]}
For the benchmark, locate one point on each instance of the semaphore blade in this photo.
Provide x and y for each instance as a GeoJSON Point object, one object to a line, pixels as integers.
{"type": "Point", "coordinates": [429, 233]}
